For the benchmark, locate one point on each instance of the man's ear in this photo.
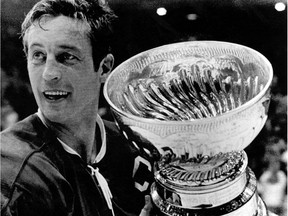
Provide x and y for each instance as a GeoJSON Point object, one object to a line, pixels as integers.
{"type": "Point", "coordinates": [106, 66]}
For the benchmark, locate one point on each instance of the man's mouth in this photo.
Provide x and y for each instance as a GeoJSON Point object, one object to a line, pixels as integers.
{"type": "Point", "coordinates": [55, 95]}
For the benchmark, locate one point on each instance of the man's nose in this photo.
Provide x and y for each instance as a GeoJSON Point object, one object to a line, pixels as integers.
{"type": "Point", "coordinates": [52, 71]}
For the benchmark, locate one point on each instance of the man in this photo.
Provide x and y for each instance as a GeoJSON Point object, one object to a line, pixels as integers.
{"type": "Point", "coordinates": [64, 160]}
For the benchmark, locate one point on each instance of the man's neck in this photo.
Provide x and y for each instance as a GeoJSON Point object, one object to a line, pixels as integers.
{"type": "Point", "coordinates": [80, 136]}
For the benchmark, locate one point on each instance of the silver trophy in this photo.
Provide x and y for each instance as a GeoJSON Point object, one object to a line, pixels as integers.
{"type": "Point", "coordinates": [197, 105]}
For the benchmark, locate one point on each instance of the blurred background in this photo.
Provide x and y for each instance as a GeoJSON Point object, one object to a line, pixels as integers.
{"type": "Point", "coordinates": [145, 24]}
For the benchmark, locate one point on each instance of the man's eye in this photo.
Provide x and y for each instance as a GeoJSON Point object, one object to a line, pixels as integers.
{"type": "Point", "coordinates": [38, 57]}
{"type": "Point", "coordinates": [67, 58]}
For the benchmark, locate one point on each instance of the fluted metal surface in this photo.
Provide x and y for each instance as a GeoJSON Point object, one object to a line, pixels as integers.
{"type": "Point", "coordinates": [191, 96]}
{"type": "Point", "coordinates": [194, 89]}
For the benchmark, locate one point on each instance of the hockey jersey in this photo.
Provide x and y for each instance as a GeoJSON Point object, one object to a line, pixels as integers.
{"type": "Point", "coordinates": [39, 177]}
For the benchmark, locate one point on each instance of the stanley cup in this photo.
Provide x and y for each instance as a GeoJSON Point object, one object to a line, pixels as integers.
{"type": "Point", "coordinates": [195, 106]}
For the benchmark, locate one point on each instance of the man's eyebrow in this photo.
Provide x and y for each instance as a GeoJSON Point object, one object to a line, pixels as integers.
{"type": "Point", "coordinates": [67, 47]}
{"type": "Point", "coordinates": [36, 44]}
{"type": "Point", "coordinates": [70, 47]}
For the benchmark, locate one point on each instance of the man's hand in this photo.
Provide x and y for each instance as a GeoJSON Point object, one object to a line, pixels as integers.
{"type": "Point", "coordinates": [148, 206]}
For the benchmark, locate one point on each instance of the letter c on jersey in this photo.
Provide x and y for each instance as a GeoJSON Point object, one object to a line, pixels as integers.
{"type": "Point", "coordinates": [141, 168]}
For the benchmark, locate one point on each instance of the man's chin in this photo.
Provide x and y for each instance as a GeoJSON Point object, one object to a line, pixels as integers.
{"type": "Point", "coordinates": [55, 117]}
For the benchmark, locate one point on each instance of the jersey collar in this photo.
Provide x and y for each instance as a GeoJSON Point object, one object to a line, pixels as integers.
{"type": "Point", "coordinates": [68, 149]}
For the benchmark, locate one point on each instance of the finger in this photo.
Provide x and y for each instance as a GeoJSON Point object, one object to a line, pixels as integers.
{"type": "Point", "coordinates": [148, 206]}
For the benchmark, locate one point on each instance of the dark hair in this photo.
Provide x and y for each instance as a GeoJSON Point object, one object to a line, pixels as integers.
{"type": "Point", "coordinates": [96, 13]}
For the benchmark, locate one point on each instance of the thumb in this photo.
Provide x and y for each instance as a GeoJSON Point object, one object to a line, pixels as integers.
{"type": "Point", "coordinates": [148, 206]}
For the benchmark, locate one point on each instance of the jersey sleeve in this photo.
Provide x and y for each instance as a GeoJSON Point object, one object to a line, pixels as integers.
{"type": "Point", "coordinates": [32, 186]}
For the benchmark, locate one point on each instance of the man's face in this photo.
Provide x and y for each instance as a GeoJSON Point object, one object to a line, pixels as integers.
{"type": "Point", "coordinates": [61, 71]}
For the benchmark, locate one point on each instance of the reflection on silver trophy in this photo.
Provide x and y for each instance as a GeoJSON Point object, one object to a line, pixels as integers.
{"type": "Point", "coordinates": [197, 105]}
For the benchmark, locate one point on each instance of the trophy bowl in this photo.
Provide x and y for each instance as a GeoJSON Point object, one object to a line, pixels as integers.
{"type": "Point", "coordinates": [197, 98]}
{"type": "Point", "coordinates": [197, 104]}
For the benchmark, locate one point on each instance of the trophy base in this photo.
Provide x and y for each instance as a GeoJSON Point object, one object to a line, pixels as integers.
{"type": "Point", "coordinates": [204, 191]}
{"type": "Point", "coordinates": [247, 202]}
{"type": "Point", "coordinates": [260, 210]}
